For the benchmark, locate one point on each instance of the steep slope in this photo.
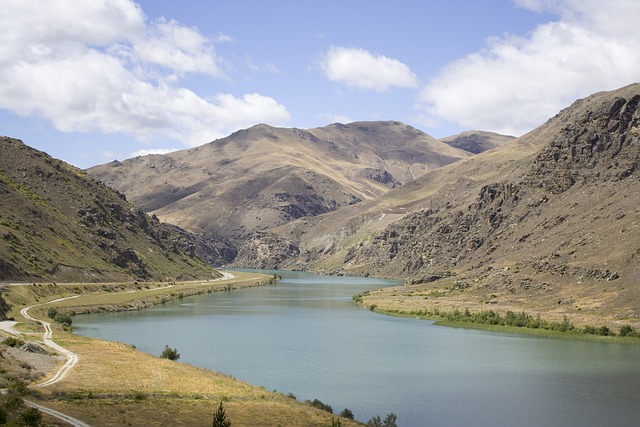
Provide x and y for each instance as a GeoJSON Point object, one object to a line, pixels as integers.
{"type": "Point", "coordinates": [264, 177]}
{"type": "Point", "coordinates": [475, 141]}
{"type": "Point", "coordinates": [549, 222]}
{"type": "Point", "coordinates": [59, 224]}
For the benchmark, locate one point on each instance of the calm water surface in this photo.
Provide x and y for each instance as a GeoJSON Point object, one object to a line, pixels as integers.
{"type": "Point", "coordinates": [305, 336]}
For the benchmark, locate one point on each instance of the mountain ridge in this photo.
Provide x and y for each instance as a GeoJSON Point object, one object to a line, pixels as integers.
{"type": "Point", "coordinates": [263, 177]}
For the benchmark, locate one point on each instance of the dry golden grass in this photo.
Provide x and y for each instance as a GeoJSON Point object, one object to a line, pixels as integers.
{"type": "Point", "coordinates": [113, 384]}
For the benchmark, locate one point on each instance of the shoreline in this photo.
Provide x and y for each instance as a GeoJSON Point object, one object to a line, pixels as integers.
{"type": "Point", "coordinates": [573, 334]}
{"type": "Point", "coordinates": [115, 383]}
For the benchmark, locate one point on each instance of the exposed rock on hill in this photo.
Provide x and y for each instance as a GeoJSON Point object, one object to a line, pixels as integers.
{"type": "Point", "coordinates": [264, 177]}
{"type": "Point", "coordinates": [550, 222]}
{"type": "Point", "coordinates": [59, 224]}
{"type": "Point", "coordinates": [475, 141]}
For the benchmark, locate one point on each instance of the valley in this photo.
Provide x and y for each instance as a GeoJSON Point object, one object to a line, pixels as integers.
{"type": "Point", "coordinates": [546, 223]}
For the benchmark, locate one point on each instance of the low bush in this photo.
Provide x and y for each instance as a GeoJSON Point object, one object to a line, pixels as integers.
{"type": "Point", "coordinates": [316, 403]}
{"type": "Point", "coordinates": [13, 342]}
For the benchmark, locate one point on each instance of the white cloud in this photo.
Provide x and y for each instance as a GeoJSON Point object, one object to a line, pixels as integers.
{"type": "Point", "coordinates": [145, 152]}
{"type": "Point", "coordinates": [516, 83]}
{"type": "Point", "coordinates": [335, 118]}
{"type": "Point", "coordinates": [360, 68]}
{"type": "Point", "coordinates": [95, 66]}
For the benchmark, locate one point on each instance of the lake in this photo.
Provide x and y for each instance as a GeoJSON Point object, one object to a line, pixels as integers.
{"type": "Point", "coordinates": [305, 336]}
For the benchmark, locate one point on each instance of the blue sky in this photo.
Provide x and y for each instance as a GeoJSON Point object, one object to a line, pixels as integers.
{"type": "Point", "coordinates": [94, 81]}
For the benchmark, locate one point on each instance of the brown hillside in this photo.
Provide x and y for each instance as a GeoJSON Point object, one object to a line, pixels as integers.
{"type": "Point", "coordinates": [549, 222]}
{"type": "Point", "coordinates": [264, 177]}
{"type": "Point", "coordinates": [59, 224]}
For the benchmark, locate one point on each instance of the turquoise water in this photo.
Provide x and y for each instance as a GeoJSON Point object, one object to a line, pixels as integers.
{"type": "Point", "coordinates": [305, 336]}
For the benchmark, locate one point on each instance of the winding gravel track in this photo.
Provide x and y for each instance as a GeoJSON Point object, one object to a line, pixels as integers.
{"type": "Point", "coordinates": [47, 337]}
{"type": "Point", "coordinates": [72, 359]}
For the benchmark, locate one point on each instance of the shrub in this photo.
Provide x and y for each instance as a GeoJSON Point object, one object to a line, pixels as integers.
{"type": "Point", "coordinates": [63, 319]}
{"type": "Point", "coordinates": [318, 404]}
{"type": "Point", "coordinates": [170, 353]}
{"type": "Point", "coordinates": [626, 330]}
{"type": "Point", "coordinates": [605, 331]}
{"type": "Point", "coordinates": [52, 312]}
{"type": "Point", "coordinates": [31, 417]}
{"type": "Point", "coordinates": [346, 413]}
{"type": "Point", "coordinates": [13, 342]}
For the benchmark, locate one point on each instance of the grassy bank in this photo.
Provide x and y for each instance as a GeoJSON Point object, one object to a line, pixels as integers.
{"type": "Point", "coordinates": [539, 327]}
{"type": "Point", "coordinates": [114, 384]}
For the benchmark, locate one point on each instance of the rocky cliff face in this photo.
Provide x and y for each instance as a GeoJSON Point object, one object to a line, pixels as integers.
{"type": "Point", "coordinates": [601, 145]}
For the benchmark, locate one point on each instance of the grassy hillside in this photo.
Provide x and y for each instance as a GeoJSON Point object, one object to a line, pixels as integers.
{"type": "Point", "coordinates": [59, 224]}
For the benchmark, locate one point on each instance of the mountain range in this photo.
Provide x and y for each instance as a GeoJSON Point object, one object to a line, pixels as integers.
{"type": "Point", "coordinates": [264, 177]}
{"type": "Point", "coordinates": [546, 222]}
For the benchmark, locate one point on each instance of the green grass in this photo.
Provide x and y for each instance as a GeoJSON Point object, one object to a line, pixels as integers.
{"type": "Point", "coordinates": [440, 319]}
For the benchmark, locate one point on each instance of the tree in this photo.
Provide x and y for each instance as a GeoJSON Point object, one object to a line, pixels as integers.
{"type": "Point", "coordinates": [220, 418]}
{"type": "Point", "coordinates": [390, 420]}
{"type": "Point", "coordinates": [170, 353]}
{"type": "Point", "coordinates": [31, 417]}
{"type": "Point", "coordinates": [375, 422]}
{"type": "Point", "coordinates": [346, 413]}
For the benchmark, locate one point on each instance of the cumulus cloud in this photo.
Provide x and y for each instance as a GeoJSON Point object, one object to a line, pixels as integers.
{"type": "Point", "coordinates": [95, 66]}
{"type": "Point", "coordinates": [516, 83]}
{"type": "Point", "coordinates": [364, 70]}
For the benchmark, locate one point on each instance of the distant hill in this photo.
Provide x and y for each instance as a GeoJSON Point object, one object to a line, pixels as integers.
{"type": "Point", "coordinates": [547, 222]}
{"type": "Point", "coordinates": [59, 224]}
{"type": "Point", "coordinates": [264, 177]}
{"type": "Point", "coordinates": [476, 141]}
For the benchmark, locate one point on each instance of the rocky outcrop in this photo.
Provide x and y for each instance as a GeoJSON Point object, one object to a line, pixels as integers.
{"type": "Point", "coordinates": [266, 251]}
{"type": "Point", "coordinates": [602, 145]}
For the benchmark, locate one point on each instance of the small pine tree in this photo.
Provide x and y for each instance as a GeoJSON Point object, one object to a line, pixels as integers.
{"type": "Point", "coordinates": [220, 418]}
{"type": "Point", "coordinates": [390, 420]}
{"type": "Point", "coordinates": [170, 353]}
